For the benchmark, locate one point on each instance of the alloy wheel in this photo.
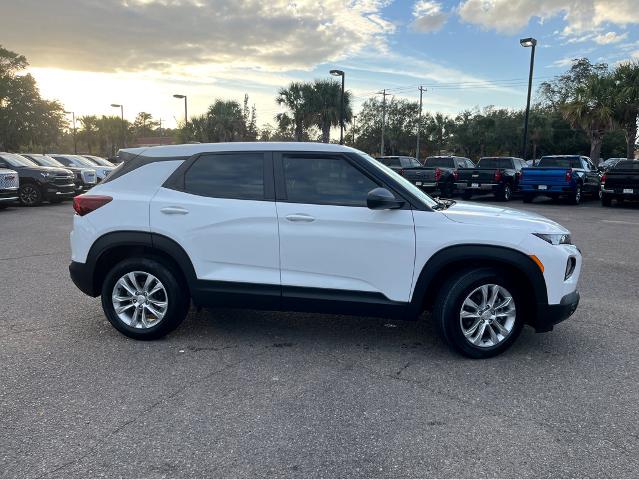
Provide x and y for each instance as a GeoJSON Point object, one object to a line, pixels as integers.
{"type": "Point", "coordinates": [487, 316]}
{"type": "Point", "coordinates": [29, 195]}
{"type": "Point", "coordinates": [139, 300]}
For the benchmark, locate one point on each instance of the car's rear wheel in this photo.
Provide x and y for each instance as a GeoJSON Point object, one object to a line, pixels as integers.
{"type": "Point", "coordinates": [479, 312]}
{"type": "Point", "coordinates": [142, 298]}
{"type": "Point", "coordinates": [575, 198]}
{"type": "Point", "coordinates": [30, 195]}
{"type": "Point", "coordinates": [505, 194]}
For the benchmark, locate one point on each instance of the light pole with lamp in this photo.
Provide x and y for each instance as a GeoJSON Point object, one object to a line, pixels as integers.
{"type": "Point", "coordinates": [528, 42]}
{"type": "Point", "coordinates": [340, 73]}
{"type": "Point", "coordinates": [186, 114]}
{"type": "Point", "coordinates": [121, 107]}
{"type": "Point", "coordinates": [75, 143]}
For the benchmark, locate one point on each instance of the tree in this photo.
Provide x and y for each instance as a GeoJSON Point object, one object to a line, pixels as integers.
{"type": "Point", "coordinates": [88, 133]}
{"type": "Point", "coordinates": [143, 125]}
{"type": "Point", "coordinates": [592, 110]}
{"type": "Point", "coordinates": [25, 118]}
{"type": "Point", "coordinates": [297, 99]}
{"type": "Point", "coordinates": [325, 106]}
{"type": "Point", "coordinates": [626, 79]}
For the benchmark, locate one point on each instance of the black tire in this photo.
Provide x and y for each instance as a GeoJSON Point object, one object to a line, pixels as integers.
{"type": "Point", "coordinates": [606, 200]}
{"type": "Point", "coordinates": [30, 195]}
{"type": "Point", "coordinates": [528, 197]}
{"type": "Point", "coordinates": [178, 300]}
{"type": "Point", "coordinates": [505, 194]}
{"type": "Point", "coordinates": [575, 198]}
{"type": "Point", "coordinates": [467, 195]}
{"type": "Point", "coordinates": [448, 190]}
{"type": "Point", "coordinates": [447, 309]}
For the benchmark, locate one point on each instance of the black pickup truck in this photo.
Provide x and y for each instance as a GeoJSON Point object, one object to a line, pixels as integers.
{"type": "Point", "coordinates": [39, 183]}
{"type": "Point", "coordinates": [620, 183]}
{"type": "Point", "coordinates": [497, 175]}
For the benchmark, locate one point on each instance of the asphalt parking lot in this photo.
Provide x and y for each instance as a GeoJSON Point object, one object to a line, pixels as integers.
{"type": "Point", "coordinates": [253, 394]}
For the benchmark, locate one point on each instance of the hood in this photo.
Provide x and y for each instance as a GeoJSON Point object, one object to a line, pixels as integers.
{"type": "Point", "coordinates": [484, 215]}
{"type": "Point", "coordinates": [53, 170]}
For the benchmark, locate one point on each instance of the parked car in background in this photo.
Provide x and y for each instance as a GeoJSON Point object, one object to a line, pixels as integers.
{"type": "Point", "coordinates": [85, 178]}
{"type": "Point", "coordinates": [621, 182]}
{"type": "Point", "coordinates": [312, 227]}
{"type": "Point", "coordinates": [79, 161]}
{"type": "Point", "coordinates": [439, 174]}
{"type": "Point", "coordinates": [497, 175]}
{"type": "Point", "coordinates": [608, 164]}
{"type": "Point", "coordinates": [99, 161]}
{"type": "Point", "coordinates": [9, 184]}
{"type": "Point", "coordinates": [38, 183]}
{"type": "Point", "coordinates": [399, 162]}
{"type": "Point", "coordinates": [555, 176]}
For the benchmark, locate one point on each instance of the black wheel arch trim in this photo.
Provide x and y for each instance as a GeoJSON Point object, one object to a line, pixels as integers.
{"type": "Point", "coordinates": [466, 254]}
{"type": "Point", "coordinates": [83, 274]}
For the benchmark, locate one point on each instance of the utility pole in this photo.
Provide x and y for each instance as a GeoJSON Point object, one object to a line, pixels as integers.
{"type": "Point", "coordinates": [383, 93]}
{"type": "Point", "coordinates": [353, 127]}
{"type": "Point", "coordinates": [419, 120]}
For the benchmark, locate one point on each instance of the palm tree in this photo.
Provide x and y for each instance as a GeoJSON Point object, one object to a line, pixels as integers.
{"type": "Point", "coordinates": [325, 105]}
{"type": "Point", "coordinates": [592, 110]}
{"type": "Point", "coordinates": [626, 77]}
{"type": "Point", "coordinates": [296, 98]}
{"type": "Point", "coordinates": [89, 131]}
{"type": "Point", "coordinates": [225, 120]}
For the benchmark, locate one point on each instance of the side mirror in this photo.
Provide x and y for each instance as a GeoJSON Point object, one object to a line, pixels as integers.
{"type": "Point", "coordinates": [381, 199]}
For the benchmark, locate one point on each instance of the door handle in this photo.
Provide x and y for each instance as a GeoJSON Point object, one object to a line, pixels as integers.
{"type": "Point", "coordinates": [299, 217]}
{"type": "Point", "coordinates": [174, 210]}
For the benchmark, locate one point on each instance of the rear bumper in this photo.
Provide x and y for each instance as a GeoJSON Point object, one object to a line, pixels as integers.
{"type": "Point", "coordinates": [550, 189]}
{"type": "Point", "coordinates": [616, 193]}
{"type": "Point", "coordinates": [82, 277]}
{"type": "Point", "coordinates": [550, 315]}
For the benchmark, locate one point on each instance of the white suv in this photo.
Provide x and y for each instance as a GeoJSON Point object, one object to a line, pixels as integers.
{"type": "Point", "coordinates": [312, 227]}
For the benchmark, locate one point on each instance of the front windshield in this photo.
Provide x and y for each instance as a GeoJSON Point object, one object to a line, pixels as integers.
{"type": "Point", "coordinates": [45, 160]}
{"type": "Point", "coordinates": [405, 183]}
{"type": "Point", "coordinates": [18, 160]}
{"type": "Point", "coordinates": [83, 161]}
{"type": "Point", "coordinates": [99, 161]}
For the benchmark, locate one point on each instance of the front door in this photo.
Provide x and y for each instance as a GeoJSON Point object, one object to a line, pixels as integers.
{"type": "Point", "coordinates": [329, 239]}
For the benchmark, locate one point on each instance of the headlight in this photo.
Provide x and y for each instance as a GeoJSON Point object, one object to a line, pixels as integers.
{"type": "Point", "coordinates": [555, 238]}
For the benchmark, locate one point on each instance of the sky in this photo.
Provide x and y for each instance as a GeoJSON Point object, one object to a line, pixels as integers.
{"type": "Point", "coordinates": [91, 53]}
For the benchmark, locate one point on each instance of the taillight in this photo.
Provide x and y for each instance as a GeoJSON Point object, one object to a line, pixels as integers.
{"type": "Point", "coordinates": [438, 174]}
{"type": "Point", "coordinates": [498, 176]}
{"type": "Point", "coordinates": [83, 204]}
{"type": "Point", "coordinates": [603, 179]}
{"type": "Point", "coordinates": [456, 174]}
{"type": "Point", "coordinates": [568, 175]}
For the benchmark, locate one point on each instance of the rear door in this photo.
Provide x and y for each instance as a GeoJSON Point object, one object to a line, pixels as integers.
{"type": "Point", "coordinates": [219, 207]}
{"type": "Point", "coordinates": [330, 240]}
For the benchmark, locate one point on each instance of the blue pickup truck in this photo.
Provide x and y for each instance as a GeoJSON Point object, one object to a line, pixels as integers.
{"type": "Point", "coordinates": [568, 176]}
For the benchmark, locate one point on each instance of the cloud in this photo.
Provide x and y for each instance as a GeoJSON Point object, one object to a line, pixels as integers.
{"type": "Point", "coordinates": [610, 37]}
{"type": "Point", "coordinates": [175, 35]}
{"type": "Point", "coordinates": [428, 15]}
{"type": "Point", "coordinates": [562, 62]}
{"type": "Point", "coordinates": [581, 16]}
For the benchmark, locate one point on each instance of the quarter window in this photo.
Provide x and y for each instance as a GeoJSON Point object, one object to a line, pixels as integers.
{"type": "Point", "coordinates": [327, 181]}
{"type": "Point", "coordinates": [231, 175]}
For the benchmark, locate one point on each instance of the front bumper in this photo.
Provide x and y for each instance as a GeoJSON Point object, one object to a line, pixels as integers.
{"type": "Point", "coordinates": [550, 315]}
{"type": "Point", "coordinates": [8, 195]}
{"type": "Point", "coordinates": [60, 191]}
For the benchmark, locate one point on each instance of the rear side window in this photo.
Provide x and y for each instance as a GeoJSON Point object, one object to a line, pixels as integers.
{"type": "Point", "coordinates": [230, 175]}
{"type": "Point", "coordinates": [325, 181]}
{"type": "Point", "coordinates": [391, 162]}
{"type": "Point", "coordinates": [446, 162]}
{"type": "Point", "coordinates": [495, 163]}
{"type": "Point", "coordinates": [560, 162]}
{"type": "Point", "coordinates": [627, 165]}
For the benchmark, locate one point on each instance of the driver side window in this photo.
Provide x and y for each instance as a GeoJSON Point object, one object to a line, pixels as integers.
{"type": "Point", "coordinates": [325, 181]}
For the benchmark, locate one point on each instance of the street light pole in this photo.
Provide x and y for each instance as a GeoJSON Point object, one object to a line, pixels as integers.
{"type": "Point", "coordinates": [383, 93]}
{"type": "Point", "coordinates": [354, 119]}
{"type": "Point", "coordinates": [75, 143]}
{"type": "Point", "coordinates": [121, 107]}
{"type": "Point", "coordinates": [186, 111]}
{"type": "Point", "coordinates": [419, 120]}
{"type": "Point", "coordinates": [528, 42]}
{"type": "Point", "coordinates": [340, 73]}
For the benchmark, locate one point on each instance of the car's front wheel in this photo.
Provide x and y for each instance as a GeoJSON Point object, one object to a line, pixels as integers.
{"type": "Point", "coordinates": [143, 299]}
{"type": "Point", "coordinates": [30, 195]}
{"type": "Point", "coordinates": [479, 312]}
